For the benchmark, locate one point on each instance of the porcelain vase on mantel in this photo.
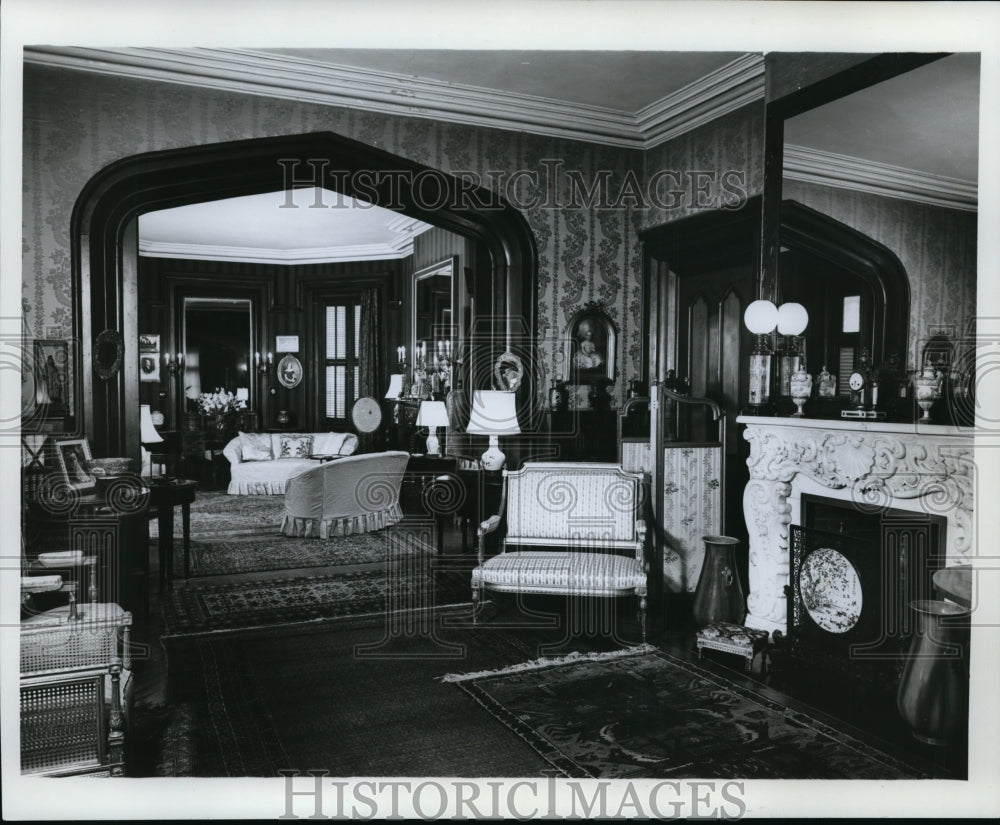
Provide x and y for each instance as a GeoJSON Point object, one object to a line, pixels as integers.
{"type": "Point", "coordinates": [719, 595]}
{"type": "Point", "coordinates": [800, 388]}
{"type": "Point", "coordinates": [927, 389]}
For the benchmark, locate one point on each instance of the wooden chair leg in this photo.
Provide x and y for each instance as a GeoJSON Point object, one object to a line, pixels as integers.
{"type": "Point", "coordinates": [475, 604]}
{"type": "Point", "coordinates": [642, 617]}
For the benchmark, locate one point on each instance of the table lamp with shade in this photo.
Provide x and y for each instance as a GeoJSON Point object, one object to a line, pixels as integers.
{"type": "Point", "coordinates": [432, 414]}
{"type": "Point", "coordinates": [393, 394]}
{"type": "Point", "coordinates": [494, 414]}
{"type": "Point", "coordinates": [760, 317]}
{"type": "Point", "coordinates": [148, 436]}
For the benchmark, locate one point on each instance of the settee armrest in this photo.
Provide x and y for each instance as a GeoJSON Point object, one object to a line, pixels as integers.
{"type": "Point", "coordinates": [234, 451]}
{"type": "Point", "coordinates": [485, 528]}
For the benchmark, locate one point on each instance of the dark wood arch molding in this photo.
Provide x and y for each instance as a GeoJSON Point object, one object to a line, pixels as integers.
{"type": "Point", "coordinates": [104, 241]}
{"type": "Point", "coordinates": [810, 231]}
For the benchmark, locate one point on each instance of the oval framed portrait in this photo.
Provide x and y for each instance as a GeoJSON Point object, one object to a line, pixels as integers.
{"type": "Point", "coordinates": [289, 371]}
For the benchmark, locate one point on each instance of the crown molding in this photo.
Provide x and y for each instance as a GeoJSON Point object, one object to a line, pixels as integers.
{"type": "Point", "coordinates": [280, 76]}
{"type": "Point", "coordinates": [845, 172]}
{"type": "Point", "coordinates": [402, 248]}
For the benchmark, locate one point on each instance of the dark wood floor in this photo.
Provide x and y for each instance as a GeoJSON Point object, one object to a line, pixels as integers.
{"type": "Point", "coordinates": [670, 630]}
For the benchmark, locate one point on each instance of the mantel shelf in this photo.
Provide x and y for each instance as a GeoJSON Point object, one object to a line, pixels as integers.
{"type": "Point", "coordinates": [857, 425]}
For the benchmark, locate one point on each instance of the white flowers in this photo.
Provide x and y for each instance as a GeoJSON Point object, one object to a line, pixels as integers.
{"type": "Point", "coordinates": [220, 402]}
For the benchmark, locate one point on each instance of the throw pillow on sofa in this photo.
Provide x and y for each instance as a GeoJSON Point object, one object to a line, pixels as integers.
{"type": "Point", "coordinates": [296, 446]}
{"type": "Point", "coordinates": [331, 443]}
{"type": "Point", "coordinates": [256, 446]}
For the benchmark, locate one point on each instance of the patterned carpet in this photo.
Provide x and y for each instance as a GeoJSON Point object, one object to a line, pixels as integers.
{"type": "Point", "coordinates": [239, 534]}
{"type": "Point", "coordinates": [653, 715]}
{"type": "Point", "coordinates": [402, 584]}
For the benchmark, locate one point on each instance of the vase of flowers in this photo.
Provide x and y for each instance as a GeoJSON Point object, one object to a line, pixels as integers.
{"type": "Point", "coordinates": [220, 407]}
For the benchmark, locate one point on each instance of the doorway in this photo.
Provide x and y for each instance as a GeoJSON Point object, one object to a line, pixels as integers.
{"type": "Point", "coordinates": [105, 243]}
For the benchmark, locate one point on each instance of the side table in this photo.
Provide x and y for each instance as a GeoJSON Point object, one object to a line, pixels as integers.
{"type": "Point", "coordinates": [164, 496]}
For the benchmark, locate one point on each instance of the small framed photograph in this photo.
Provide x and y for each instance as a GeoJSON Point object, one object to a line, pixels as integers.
{"type": "Point", "coordinates": [286, 343]}
{"type": "Point", "coordinates": [591, 338]}
{"type": "Point", "coordinates": [149, 343]}
{"type": "Point", "coordinates": [149, 366]}
{"type": "Point", "coordinates": [72, 456]}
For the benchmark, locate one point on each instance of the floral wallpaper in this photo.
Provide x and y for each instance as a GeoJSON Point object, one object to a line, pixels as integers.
{"type": "Point", "coordinates": [75, 123]}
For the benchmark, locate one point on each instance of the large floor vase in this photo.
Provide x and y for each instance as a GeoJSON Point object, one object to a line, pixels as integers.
{"type": "Point", "coordinates": [933, 690]}
{"type": "Point", "coordinates": [719, 596]}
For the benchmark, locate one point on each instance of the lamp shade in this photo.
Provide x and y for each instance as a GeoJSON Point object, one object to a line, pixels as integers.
{"type": "Point", "coordinates": [242, 394]}
{"type": "Point", "coordinates": [395, 386]}
{"type": "Point", "coordinates": [147, 432]}
{"type": "Point", "coordinates": [493, 413]}
{"type": "Point", "coordinates": [760, 317]}
{"type": "Point", "coordinates": [792, 319]}
{"type": "Point", "coordinates": [432, 414]}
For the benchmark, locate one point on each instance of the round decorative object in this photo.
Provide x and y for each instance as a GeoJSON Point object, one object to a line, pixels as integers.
{"type": "Point", "coordinates": [157, 418]}
{"type": "Point", "coordinates": [831, 590]}
{"type": "Point", "coordinates": [109, 353]}
{"type": "Point", "coordinates": [289, 371]}
{"type": "Point", "coordinates": [508, 372]}
{"type": "Point", "coordinates": [366, 414]}
{"type": "Point", "coordinates": [856, 382]}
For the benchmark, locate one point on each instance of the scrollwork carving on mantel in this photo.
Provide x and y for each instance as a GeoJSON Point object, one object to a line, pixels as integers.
{"type": "Point", "coordinates": [876, 470]}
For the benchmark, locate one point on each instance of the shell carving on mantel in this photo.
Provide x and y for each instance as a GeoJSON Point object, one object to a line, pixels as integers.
{"type": "Point", "coordinates": [851, 460]}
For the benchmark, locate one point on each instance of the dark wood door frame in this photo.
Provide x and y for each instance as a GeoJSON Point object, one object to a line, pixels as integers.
{"type": "Point", "coordinates": [104, 241]}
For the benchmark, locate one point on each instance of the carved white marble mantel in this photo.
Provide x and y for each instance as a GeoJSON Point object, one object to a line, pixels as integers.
{"type": "Point", "coordinates": [917, 467]}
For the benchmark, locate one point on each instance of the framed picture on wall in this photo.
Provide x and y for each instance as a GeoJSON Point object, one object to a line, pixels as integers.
{"type": "Point", "coordinates": [51, 374]}
{"type": "Point", "coordinates": [286, 343]}
{"type": "Point", "coordinates": [149, 357]}
{"type": "Point", "coordinates": [591, 337]}
{"type": "Point", "coordinates": [72, 456]}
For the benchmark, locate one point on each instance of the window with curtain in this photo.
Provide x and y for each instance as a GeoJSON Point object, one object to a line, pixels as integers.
{"type": "Point", "coordinates": [343, 346]}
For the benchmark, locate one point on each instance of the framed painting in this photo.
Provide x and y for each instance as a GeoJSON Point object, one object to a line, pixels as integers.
{"type": "Point", "coordinates": [72, 456]}
{"type": "Point", "coordinates": [52, 390]}
{"type": "Point", "coordinates": [289, 371]}
{"type": "Point", "coordinates": [591, 345]}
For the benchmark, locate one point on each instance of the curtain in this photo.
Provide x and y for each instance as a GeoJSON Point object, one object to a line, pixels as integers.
{"type": "Point", "coordinates": [370, 361]}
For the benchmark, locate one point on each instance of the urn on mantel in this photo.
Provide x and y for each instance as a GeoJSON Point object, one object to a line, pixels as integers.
{"type": "Point", "coordinates": [800, 388]}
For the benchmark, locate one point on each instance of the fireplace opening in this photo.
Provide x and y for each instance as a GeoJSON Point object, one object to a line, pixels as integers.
{"type": "Point", "coordinates": [852, 575]}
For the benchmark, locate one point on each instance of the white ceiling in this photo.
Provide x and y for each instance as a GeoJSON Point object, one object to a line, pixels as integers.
{"type": "Point", "coordinates": [884, 133]}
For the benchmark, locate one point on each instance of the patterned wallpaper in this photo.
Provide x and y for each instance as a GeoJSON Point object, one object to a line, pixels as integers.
{"type": "Point", "coordinates": [936, 246]}
{"type": "Point", "coordinates": [75, 123]}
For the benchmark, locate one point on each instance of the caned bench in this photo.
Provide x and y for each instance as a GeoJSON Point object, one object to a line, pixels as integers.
{"type": "Point", "coordinates": [568, 528]}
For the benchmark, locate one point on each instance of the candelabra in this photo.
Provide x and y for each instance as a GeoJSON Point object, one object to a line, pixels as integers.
{"type": "Point", "coordinates": [174, 363]}
{"type": "Point", "coordinates": [265, 363]}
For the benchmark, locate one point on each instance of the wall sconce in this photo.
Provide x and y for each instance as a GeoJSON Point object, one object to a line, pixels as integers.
{"type": "Point", "coordinates": [792, 322]}
{"type": "Point", "coordinates": [263, 364]}
{"type": "Point", "coordinates": [174, 363]}
{"type": "Point", "coordinates": [760, 317]}
{"type": "Point", "coordinates": [494, 414]}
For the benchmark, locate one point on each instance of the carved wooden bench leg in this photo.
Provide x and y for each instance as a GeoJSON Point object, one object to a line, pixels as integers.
{"type": "Point", "coordinates": [475, 604]}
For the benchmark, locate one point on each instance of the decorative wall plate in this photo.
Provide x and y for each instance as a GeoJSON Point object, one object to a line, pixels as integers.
{"type": "Point", "coordinates": [289, 371]}
{"type": "Point", "coordinates": [109, 352]}
{"type": "Point", "coordinates": [831, 590]}
{"type": "Point", "coordinates": [366, 414]}
{"type": "Point", "coordinates": [508, 372]}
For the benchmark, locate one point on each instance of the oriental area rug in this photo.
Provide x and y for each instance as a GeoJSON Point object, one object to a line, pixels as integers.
{"type": "Point", "coordinates": [650, 715]}
{"type": "Point", "coordinates": [239, 534]}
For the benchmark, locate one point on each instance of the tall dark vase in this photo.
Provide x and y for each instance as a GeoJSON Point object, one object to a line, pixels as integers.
{"type": "Point", "coordinates": [933, 690]}
{"type": "Point", "coordinates": [719, 596]}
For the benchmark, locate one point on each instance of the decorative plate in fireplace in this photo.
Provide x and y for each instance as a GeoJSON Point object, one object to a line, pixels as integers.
{"type": "Point", "coordinates": [831, 590]}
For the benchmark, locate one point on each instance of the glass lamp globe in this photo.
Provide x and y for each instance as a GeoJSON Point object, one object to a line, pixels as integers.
{"type": "Point", "coordinates": [792, 319]}
{"type": "Point", "coordinates": [760, 317]}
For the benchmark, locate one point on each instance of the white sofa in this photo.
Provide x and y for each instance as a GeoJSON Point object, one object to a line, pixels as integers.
{"type": "Point", "coordinates": [262, 463]}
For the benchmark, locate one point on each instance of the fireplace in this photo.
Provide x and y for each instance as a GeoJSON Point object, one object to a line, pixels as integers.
{"type": "Point", "coordinates": [852, 576]}
{"type": "Point", "coordinates": [901, 474]}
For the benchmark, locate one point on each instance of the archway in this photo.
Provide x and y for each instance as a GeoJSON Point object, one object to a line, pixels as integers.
{"type": "Point", "coordinates": [105, 244]}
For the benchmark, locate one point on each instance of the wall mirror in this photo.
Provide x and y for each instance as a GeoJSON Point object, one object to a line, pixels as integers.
{"type": "Point", "coordinates": [877, 191]}
{"type": "Point", "coordinates": [218, 335]}
{"type": "Point", "coordinates": [434, 333]}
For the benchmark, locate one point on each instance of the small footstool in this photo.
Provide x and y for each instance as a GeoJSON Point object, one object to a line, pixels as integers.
{"type": "Point", "coordinates": [734, 638]}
